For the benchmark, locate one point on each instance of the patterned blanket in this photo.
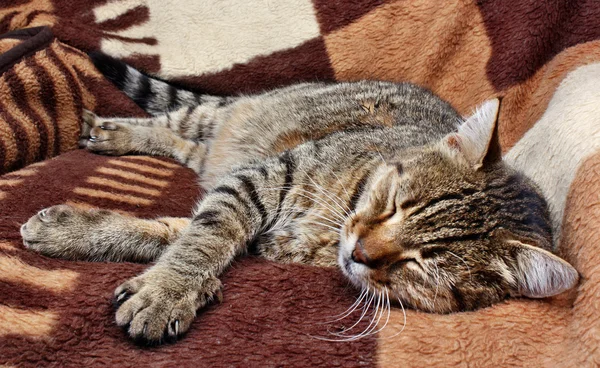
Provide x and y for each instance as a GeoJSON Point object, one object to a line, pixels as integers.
{"type": "Point", "coordinates": [542, 56]}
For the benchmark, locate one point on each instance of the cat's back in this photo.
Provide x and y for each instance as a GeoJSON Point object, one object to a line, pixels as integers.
{"type": "Point", "coordinates": [349, 105]}
{"type": "Point", "coordinates": [266, 124]}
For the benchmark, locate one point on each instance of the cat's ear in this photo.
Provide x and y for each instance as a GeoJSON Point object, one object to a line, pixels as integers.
{"type": "Point", "coordinates": [537, 273]}
{"type": "Point", "coordinates": [477, 137]}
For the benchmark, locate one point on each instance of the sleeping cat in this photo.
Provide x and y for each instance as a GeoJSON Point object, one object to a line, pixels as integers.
{"type": "Point", "coordinates": [384, 180]}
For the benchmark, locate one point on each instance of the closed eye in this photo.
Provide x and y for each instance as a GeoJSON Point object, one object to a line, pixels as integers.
{"type": "Point", "coordinates": [433, 251]}
{"type": "Point", "coordinates": [387, 214]}
{"type": "Point", "coordinates": [408, 203]}
{"type": "Point", "coordinates": [407, 261]}
{"type": "Point", "coordinates": [393, 211]}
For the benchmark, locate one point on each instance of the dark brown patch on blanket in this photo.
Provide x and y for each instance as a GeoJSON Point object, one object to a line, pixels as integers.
{"type": "Point", "coordinates": [338, 13]}
{"type": "Point", "coordinates": [526, 34]}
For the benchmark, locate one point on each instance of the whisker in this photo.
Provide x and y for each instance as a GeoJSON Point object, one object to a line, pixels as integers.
{"type": "Point", "coordinates": [465, 262]}
{"type": "Point", "coordinates": [373, 324]}
{"type": "Point", "coordinates": [403, 325]}
{"type": "Point", "coordinates": [350, 309]}
{"type": "Point", "coordinates": [325, 225]}
{"type": "Point", "coordinates": [389, 311]}
{"type": "Point", "coordinates": [437, 282]}
{"type": "Point", "coordinates": [319, 216]}
{"type": "Point", "coordinates": [384, 306]}
{"type": "Point", "coordinates": [373, 318]}
{"type": "Point", "coordinates": [314, 199]}
{"type": "Point", "coordinates": [342, 206]}
{"type": "Point", "coordinates": [334, 174]}
{"type": "Point", "coordinates": [326, 192]}
{"type": "Point", "coordinates": [380, 155]}
{"type": "Point", "coordinates": [384, 303]}
{"type": "Point", "coordinates": [365, 309]}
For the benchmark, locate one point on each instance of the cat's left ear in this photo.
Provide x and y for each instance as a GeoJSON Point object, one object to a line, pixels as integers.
{"type": "Point", "coordinates": [477, 137]}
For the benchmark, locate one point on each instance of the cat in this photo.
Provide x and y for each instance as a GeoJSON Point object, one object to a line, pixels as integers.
{"type": "Point", "coordinates": [384, 180]}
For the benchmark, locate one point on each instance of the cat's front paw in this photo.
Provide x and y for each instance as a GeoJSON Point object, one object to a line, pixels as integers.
{"type": "Point", "coordinates": [104, 136]}
{"type": "Point", "coordinates": [159, 306]}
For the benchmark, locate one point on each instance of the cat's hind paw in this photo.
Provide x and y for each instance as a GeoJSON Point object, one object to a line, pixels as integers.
{"type": "Point", "coordinates": [56, 231]}
{"type": "Point", "coordinates": [104, 136]}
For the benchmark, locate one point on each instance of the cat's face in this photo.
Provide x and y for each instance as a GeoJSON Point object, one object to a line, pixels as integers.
{"type": "Point", "coordinates": [442, 233]}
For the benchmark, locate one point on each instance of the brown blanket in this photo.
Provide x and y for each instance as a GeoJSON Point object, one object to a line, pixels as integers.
{"type": "Point", "coordinates": [543, 56]}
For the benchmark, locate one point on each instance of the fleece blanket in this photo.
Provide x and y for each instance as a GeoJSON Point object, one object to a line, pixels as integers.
{"type": "Point", "coordinates": [542, 56]}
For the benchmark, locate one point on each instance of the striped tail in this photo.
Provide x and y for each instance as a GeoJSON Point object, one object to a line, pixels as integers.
{"type": "Point", "coordinates": [153, 95]}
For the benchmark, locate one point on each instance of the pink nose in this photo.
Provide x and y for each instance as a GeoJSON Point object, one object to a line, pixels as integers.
{"type": "Point", "coordinates": [359, 255]}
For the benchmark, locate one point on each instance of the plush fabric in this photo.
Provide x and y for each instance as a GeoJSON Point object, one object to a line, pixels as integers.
{"type": "Point", "coordinates": [542, 56]}
{"type": "Point", "coordinates": [44, 87]}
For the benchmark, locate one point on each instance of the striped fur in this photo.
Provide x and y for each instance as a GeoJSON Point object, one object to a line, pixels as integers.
{"type": "Point", "coordinates": [370, 176]}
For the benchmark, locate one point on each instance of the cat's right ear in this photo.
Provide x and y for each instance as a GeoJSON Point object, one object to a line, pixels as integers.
{"type": "Point", "coordinates": [538, 273]}
{"type": "Point", "coordinates": [477, 137]}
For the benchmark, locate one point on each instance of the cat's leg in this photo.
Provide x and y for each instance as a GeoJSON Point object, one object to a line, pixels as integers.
{"type": "Point", "coordinates": [75, 233]}
{"type": "Point", "coordinates": [117, 136]}
{"type": "Point", "coordinates": [193, 122]}
{"type": "Point", "coordinates": [162, 302]}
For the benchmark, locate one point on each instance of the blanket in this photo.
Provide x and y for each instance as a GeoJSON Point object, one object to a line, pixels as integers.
{"type": "Point", "coordinates": [541, 56]}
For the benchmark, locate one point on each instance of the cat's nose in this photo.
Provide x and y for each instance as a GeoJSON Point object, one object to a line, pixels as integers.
{"type": "Point", "coordinates": [359, 255]}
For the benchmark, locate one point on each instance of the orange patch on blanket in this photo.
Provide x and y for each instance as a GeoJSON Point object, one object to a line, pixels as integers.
{"type": "Point", "coordinates": [441, 45]}
{"type": "Point", "coordinates": [580, 245]}
{"type": "Point", "coordinates": [509, 334]}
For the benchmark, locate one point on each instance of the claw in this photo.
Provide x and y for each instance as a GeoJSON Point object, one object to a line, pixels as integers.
{"type": "Point", "coordinates": [120, 299]}
{"type": "Point", "coordinates": [219, 296]}
{"type": "Point", "coordinates": [173, 329]}
{"type": "Point", "coordinates": [121, 296]}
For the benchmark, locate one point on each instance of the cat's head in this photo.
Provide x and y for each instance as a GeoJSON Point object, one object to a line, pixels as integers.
{"type": "Point", "coordinates": [449, 227]}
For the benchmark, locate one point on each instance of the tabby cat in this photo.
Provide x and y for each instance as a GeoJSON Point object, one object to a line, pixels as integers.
{"type": "Point", "coordinates": [384, 180]}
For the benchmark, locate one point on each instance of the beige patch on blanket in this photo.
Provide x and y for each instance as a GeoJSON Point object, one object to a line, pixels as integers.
{"type": "Point", "coordinates": [568, 132]}
{"type": "Point", "coordinates": [6, 245]}
{"type": "Point", "coordinates": [442, 45]}
{"type": "Point", "coordinates": [28, 323]}
{"type": "Point", "coordinates": [525, 103]}
{"type": "Point", "coordinates": [197, 37]}
{"type": "Point", "coordinates": [15, 271]}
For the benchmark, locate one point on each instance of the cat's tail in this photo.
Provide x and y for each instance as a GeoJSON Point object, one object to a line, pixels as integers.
{"type": "Point", "coordinates": [151, 94]}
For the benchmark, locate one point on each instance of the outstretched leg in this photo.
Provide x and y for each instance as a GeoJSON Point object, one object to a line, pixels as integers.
{"type": "Point", "coordinates": [162, 302]}
{"type": "Point", "coordinates": [194, 123]}
{"type": "Point", "coordinates": [99, 235]}
{"type": "Point", "coordinates": [119, 137]}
